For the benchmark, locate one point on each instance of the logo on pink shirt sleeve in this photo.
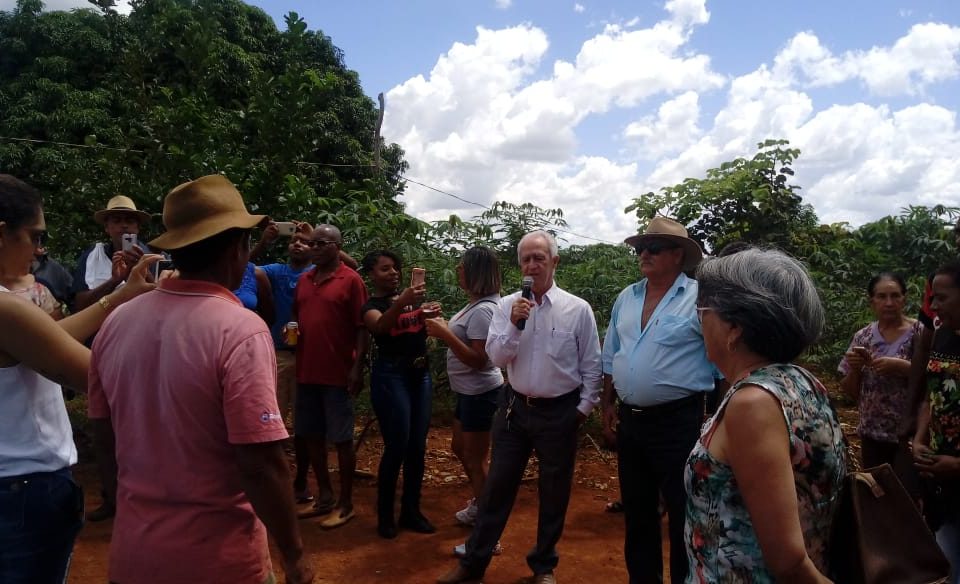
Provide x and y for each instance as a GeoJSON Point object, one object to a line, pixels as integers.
{"type": "Point", "coordinates": [267, 417]}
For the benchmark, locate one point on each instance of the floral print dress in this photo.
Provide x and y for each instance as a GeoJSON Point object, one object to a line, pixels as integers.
{"type": "Point", "coordinates": [883, 399]}
{"type": "Point", "coordinates": [721, 543]}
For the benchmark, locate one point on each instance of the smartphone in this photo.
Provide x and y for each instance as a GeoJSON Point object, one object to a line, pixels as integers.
{"type": "Point", "coordinates": [286, 228]}
{"type": "Point", "coordinates": [418, 276]}
{"type": "Point", "coordinates": [129, 240]}
{"type": "Point", "coordinates": [161, 267]}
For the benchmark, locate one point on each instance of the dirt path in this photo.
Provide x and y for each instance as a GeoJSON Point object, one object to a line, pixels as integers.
{"type": "Point", "coordinates": [591, 549]}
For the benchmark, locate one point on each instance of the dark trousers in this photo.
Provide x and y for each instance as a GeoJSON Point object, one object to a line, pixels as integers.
{"type": "Point", "coordinates": [550, 429]}
{"type": "Point", "coordinates": [652, 449]}
{"type": "Point", "coordinates": [40, 517]}
{"type": "Point", "coordinates": [401, 398]}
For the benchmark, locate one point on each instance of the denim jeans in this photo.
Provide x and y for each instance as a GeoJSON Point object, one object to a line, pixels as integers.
{"type": "Point", "coordinates": [40, 517]}
{"type": "Point", "coordinates": [401, 398]}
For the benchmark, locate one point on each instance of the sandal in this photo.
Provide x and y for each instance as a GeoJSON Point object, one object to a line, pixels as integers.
{"type": "Point", "coordinates": [318, 509]}
{"type": "Point", "coordinates": [614, 507]}
{"type": "Point", "coordinates": [337, 518]}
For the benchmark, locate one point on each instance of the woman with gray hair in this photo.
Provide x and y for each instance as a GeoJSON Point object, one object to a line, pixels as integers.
{"type": "Point", "coordinates": [763, 481]}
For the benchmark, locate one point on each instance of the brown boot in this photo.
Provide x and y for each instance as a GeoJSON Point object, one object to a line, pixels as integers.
{"type": "Point", "coordinates": [459, 575]}
{"type": "Point", "coordinates": [105, 511]}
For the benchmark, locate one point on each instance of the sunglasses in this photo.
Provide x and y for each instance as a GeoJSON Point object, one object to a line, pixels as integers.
{"type": "Point", "coordinates": [318, 243]}
{"type": "Point", "coordinates": [38, 237]}
{"type": "Point", "coordinates": [654, 247]}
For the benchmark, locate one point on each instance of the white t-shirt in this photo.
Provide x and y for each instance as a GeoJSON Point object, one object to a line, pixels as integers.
{"type": "Point", "coordinates": [472, 324]}
{"type": "Point", "coordinates": [36, 435]}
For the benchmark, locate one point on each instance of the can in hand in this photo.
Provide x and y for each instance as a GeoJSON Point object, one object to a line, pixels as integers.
{"type": "Point", "coordinates": [431, 309]}
{"type": "Point", "coordinates": [291, 332]}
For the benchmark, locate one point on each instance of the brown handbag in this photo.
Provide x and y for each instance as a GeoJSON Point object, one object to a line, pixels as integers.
{"type": "Point", "coordinates": [879, 536]}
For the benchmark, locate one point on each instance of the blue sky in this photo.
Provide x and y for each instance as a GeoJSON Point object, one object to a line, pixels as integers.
{"type": "Point", "coordinates": [586, 104]}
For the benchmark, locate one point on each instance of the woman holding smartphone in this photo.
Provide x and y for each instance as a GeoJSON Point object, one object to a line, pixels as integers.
{"type": "Point", "coordinates": [875, 370]}
{"type": "Point", "coordinates": [475, 380]}
{"type": "Point", "coordinates": [400, 389]}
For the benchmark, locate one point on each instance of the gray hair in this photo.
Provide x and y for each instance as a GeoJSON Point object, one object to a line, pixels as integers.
{"type": "Point", "coordinates": [546, 236]}
{"type": "Point", "coordinates": [769, 295]}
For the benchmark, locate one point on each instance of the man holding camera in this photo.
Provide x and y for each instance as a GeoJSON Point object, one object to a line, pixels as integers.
{"type": "Point", "coordinates": [100, 270]}
{"type": "Point", "coordinates": [547, 339]}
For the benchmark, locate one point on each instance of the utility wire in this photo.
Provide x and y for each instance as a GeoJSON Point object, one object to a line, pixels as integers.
{"type": "Point", "coordinates": [326, 164]}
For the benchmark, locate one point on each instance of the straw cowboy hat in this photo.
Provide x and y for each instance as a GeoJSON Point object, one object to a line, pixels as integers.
{"type": "Point", "coordinates": [670, 230]}
{"type": "Point", "coordinates": [200, 209]}
{"type": "Point", "coordinates": [121, 204]}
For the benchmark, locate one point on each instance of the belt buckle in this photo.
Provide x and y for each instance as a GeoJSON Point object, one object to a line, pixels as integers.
{"type": "Point", "coordinates": [531, 401]}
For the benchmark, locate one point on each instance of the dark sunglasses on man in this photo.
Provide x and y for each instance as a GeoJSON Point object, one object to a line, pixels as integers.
{"type": "Point", "coordinates": [654, 247]}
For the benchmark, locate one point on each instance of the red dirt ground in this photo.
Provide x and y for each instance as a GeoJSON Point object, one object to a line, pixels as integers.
{"type": "Point", "coordinates": [591, 549]}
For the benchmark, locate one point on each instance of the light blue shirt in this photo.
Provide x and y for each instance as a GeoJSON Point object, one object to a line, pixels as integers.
{"type": "Point", "coordinates": [667, 360]}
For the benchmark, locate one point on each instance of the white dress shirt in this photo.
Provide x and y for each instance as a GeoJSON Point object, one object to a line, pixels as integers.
{"type": "Point", "coordinates": [558, 351]}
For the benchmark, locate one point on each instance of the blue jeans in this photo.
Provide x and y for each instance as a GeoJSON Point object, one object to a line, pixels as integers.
{"type": "Point", "coordinates": [40, 517]}
{"type": "Point", "coordinates": [401, 398]}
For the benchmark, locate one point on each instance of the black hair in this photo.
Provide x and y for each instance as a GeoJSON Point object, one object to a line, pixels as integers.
{"type": "Point", "coordinates": [481, 271]}
{"type": "Point", "coordinates": [952, 269]}
{"type": "Point", "coordinates": [872, 284]}
{"type": "Point", "coordinates": [370, 260]}
{"type": "Point", "coordinates": [20, 203]}
{"type": "Point", "coordinates": [199, 256]}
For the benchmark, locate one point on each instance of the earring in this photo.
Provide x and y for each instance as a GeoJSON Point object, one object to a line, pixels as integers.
{"type": "Point", "coordinates": [731, 347]}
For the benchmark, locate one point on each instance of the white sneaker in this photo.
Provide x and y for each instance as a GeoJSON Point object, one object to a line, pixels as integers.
{"type": "Point", "coordinates": [461, 550]}
{"type": "Point", "coordinates": [467, 515]}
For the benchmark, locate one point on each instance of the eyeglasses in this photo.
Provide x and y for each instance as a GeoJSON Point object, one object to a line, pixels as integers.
{"type": "Point", "coordinates": [654, 247]}
{"type": "Point", "coordinates": [318, 243]}
{"type": "Point", "coordinates": [700, 310]}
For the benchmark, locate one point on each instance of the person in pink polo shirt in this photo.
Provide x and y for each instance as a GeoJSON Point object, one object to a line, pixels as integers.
{"type": "Point", "coordinates": [183, 381]}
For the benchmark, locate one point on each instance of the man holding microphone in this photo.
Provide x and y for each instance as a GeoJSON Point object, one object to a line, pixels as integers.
{"type": "Point", "coordinates": [551, 350]}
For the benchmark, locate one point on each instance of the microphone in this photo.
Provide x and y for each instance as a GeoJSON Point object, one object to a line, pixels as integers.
{"type": "Point", "coordinates": [527, 292]}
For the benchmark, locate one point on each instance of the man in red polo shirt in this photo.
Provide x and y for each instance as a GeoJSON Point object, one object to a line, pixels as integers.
{"type": "Point", "coordinates": [330, 354]}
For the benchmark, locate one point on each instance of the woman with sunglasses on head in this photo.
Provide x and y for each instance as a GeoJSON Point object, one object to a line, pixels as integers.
{"type": "Point", "coordinates": [36, 441]}
{"type": "Point", "coordinates": [400, 390]}
{"type": "Point", "coordinates": [875, 369]}
{"type": "Point", "coordinates": [475, 380]}
{"type": "Point", "coordinates": [763, 480]}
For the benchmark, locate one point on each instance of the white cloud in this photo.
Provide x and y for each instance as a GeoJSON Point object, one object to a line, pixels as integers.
{"type": "Point", "coordinates": [578, 8]}
{"type": "Point", "coordinates": [503, 4]}
{"type": "Point", "coordinates": [494, 120]}
{"type": "Point", "coordinates": [929, 53]}
{"type": "Point", "coordinates": [487, 124]}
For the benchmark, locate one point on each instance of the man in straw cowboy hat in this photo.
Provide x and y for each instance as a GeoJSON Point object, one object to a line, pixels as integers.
{"type": "Point", "coordinates": [100, 270]}
{"type": "Point", "coordinates": [104, 265]}
{"type": "Point", "coordinates": [655, 377]}
{"type": "Point", "coordinates": [199, 507]}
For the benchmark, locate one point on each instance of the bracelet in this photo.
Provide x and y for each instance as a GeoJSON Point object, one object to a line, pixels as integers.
{"type": "Point", "coordinates": [105, 304]}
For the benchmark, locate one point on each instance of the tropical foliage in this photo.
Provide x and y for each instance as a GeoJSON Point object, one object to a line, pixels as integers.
{"type": "Point", "coordinates": [95, 103]}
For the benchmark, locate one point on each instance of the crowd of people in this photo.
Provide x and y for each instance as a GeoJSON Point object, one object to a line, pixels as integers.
{"type": "Point", "coordinates": [183, 337]}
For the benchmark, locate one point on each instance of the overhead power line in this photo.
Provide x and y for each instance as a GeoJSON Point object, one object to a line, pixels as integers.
{"type": "Point", "coordinates": [326, 164]}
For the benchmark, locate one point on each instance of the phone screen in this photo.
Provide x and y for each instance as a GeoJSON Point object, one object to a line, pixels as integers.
{"type": "Point", "coordinates": [160, 267]}
{"type": "Point", "coordinates": [129, 240]}
{"type": "Point", "coordinates": [417, 276]}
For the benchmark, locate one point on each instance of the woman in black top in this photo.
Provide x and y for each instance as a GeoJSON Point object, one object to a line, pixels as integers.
{"type": "Point", "coordinates": [400, 390]}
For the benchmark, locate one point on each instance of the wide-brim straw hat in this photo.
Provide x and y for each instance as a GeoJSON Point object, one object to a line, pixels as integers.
{"type": "Point", "coordinates": [121, 204]}
{"type": "Point", "coordinates": [670, 230]}
{"type": "Point", "coordinates": [200, 209]}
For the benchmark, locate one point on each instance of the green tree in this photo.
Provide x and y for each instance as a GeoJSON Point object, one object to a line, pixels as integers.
{"type": "Point", "coordinates": [741, 200]}
{"type": "Point", "coordinates": [183, 88]}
